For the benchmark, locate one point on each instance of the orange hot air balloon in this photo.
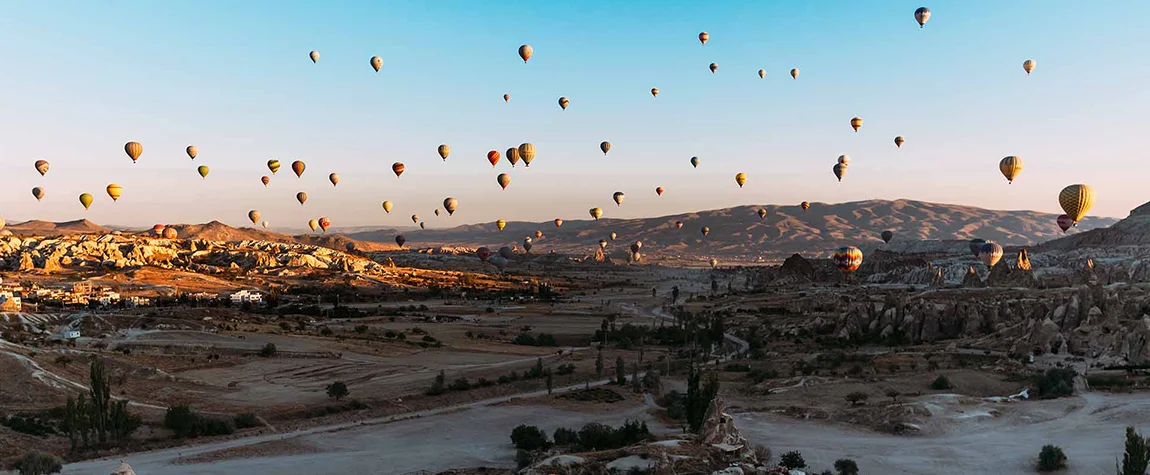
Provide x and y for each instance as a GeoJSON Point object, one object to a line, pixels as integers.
{"type": "Point", "coordinates": [525, 52]}
{"type": "Point", "coordinates": [558, 222]}
{"type": "Point", "coordinates": [678, 225]}
{"type": "Point", "coordinates": [805, 205]}
{"type": "Point", "coordinates": [538, 234]}
{"type": "Point", "coordinates": [324, 223]}
{"type": "Point", "coordinates": [706, 230]}
{"type": "Point", "coordinates": [170, 233]}
{"type": "Point", "coordinates": [42, 167]}
{"type": "Point", "coordinates": [703, 37]}
{"type": "Point", "coordinates": [298, 167]}
{"type": "Point", "coordinates": [38, 193]}
{"type": "Point", "coordinates": [158, 230]}
{"type": "Point", "coordinates": [847, 259]}
{"type": "Point", "coordinates": [134, 150]}
{"type": "Point", "coordinates": [654, 92]}
{"type": "Point", "coordinates": [265, 179]}
{"type": "Point", "coordinates": [506, 97]}
{"type": "Point", "coordinates": [513, 156]}
{"type": "Point", "coordinates": [564, 102]}
{"type": "Point", "coordinates": [301, 197]}
{"type": "Point", "coordinates": [659, 190]}
{"type": "Point", "coordinates": [397, 168]}
{"type": "Point", "coordinates": [503, 179]}
{"type": "Point", "coordinates": [333, 178]}
{"type": "Point", "coordinates": [493, 157]}
{"type": "Point", "coordinates": [415, 219]}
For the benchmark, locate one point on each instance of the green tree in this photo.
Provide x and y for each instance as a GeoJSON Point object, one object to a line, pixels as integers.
{"type": "Point", "coordinates": [857, 397]}
{"type": "Point", "coordinates": [699, 397]}
{"type": "Point", "coordinates": [599, 364]}
{"type": "Point", "coordinates": [181, 420]}
{"type": "Point", "coordinates": [846, 467]}
{"type": "Point", "coordinates": [620, 371]}
{"type": "Point", "coordinates": [550, 382]}
{"type": "Point", "coordinates": [269, 350]}
{"type": "Point", "coordinates": [792, 460]}
{"type": "Point", "coordinates": [337, 390]}
{"type": "Point", "coordinates": [100, 394]}
{"type": "Point", "coordinates": [439, 386]}
{"type": "Point", "coordinates": [527, 437]}
{"type": "Point", "coordinates": [38, 463]}
{"type": "Point", "coordinates": [1136, 459]}
{"type": "Point", "coordinates": [1051, 458]}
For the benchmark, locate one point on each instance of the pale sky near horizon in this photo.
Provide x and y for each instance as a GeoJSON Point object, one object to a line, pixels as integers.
{"type": "Point", "coordinates": [79, 79]}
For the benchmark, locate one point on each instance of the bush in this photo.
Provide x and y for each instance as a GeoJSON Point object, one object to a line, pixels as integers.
{"type": "Point", "coordinates": [565, 436]}
{"type": "Point", "coordinates": [941, 383]}
{"type": "Point", "coordinates": [1055, 382]}
{"type": "Point", "coordinates": [846, 467]}
{"type": "Point", "coordinates": [268, 350]}
{"type": "Point", "coordinates": [186, 422]}
{"type": "Point", "coordinates": [439, 386]}
{"type": "Point", "coordinates": [325, 331]}
{"type": "Point", "coordinates": [39, 463]}
{"type": "Point", "coordinates": [1051, 458]}
{"type": "Point", "coordinates": [522, 457]}
{"type": "Point", "coordinates": [792, 460]}
{"type": "Point", "coordinates": [337, 390]}
{"type": "Point", "coordinates": [564, 369]}
{"type": "Point", "coordinates": [857, 397]}
{"type": "Point", "coordinates": [361, 329]}
{"type": "Point", "coordinates": [246, 420]}
{"type": "Point", "coordinates": [529, 438]}
{"type": "Point", "coordinates": [461, 384]}
{"type": "Point", "coordinates": [763, 453]}
{"type": "Point", "coordinates": [63, 360]}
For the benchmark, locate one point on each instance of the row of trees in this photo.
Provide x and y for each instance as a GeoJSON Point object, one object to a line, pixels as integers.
{"type": "Point", "coordinates": [93, 418]}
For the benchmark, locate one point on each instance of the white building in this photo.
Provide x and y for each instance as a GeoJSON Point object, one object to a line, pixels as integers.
{"type": "Point", "coordinates": [70, 334]}
{"type": "Point", "coordinates": [246, 296]}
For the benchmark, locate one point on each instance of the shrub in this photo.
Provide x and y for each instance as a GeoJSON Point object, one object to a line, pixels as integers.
{"type": "Point", "coordinates": [325, 331]}
{"type": "Point", "coordinates": [522, 457]}
{"type": "Point", "coordinates": [337, 390]}
{"type": "Point", "coordinates": [528, 438]}
{"type": "Point", "coordinates": [846, 467]}
{"type": "Point", "coordinates": [941, 383]}
{"type": "Point", "coordinates": [1055, 382]}
{"type": "Point", "coordinates": [461, 384]}
{"type": "Point", "coordinates": [565, 369]}
{"type": "Point", "coordinates": [893, 394]}
{"type": "Point", "coordinates": [186, 422]}
{"type": "Point", "coordinates": [763, 453]}
{"type": "Point", "coordinates": [857, 397]}
{"type": "Point", "coordinates": [545, 340]}
{"type": "Point", "coordinates": [63, 360]}
{"type": "Point", "coordinates": [361, 329]}
{"type": "Point", "coordinates": [439, 386]}
{"type": "Point", "coordinates": [565, 436]}
{"type": "Point", "coordinates": [39, 463]}
{"type": "Point", "coordinates": [246, 420]}
{"type": "Point", "coordinates": [389, 334]}
{"type": "Point", "coordinates": [1136, 458]}
{"type": "Point", "coordinates": [792, 460]}
{"type": "Point", "coordinates": [1051, 458]}
{"type": "Point", "coordinates": [268, 350]}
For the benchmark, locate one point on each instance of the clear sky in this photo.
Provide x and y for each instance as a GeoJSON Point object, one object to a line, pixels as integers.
{"type": "Point", "coordinates": [80, 78]}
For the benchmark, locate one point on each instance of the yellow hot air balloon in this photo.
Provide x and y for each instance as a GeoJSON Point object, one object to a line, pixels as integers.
{"type": "Point", "coordinates": [314, 55]}
{"type": "Point", "coordinates": [714, 67]}
{"type": "Point", "coordinates": [703, 37]}
{"type": "Point", "coordinates": [376, 63]}
{"type": "Point", "coordinates": [192, 151]}
{"type": "Point", "coordinates": [1029, 65]}
{"type": "Point", "coordinates": [301, 197]}
{"type": "Point", "coordinates": [387, 207]}
{"type": "Point", "coordinates": [605, 147]}
{"type": "Point", "coordinates": [613, 236]}
{"type": "Point", "coordinates": [525, 52]}
{"type": "Point", "coordinates": [655, 92]}
{"type": "Point", "coordinates": [254, 216]}
{"type": "Point", "coordinates": [114, 191]}
{"type": "Point", "coordinates": [313, 224]}
{"type": "Point", "coordinates": [501, 224]}
{"type": "Point", "coordinates": [274, 165]}
{"type": "Point", "coordinates": [333, 178]}
{"type": "Point", "coordinates": [527, 153]}
{"type": "Point", "coordinates": [42, 167]}
{"type": "Point", "coordinates": [596, 212]}
{"type": "Point", "coordinates": [86, 200]}
{"type": "Point", "coordinates": [134, 150]}
{"type": "Point", "coordinates": [795, 73]}
{"type": "Point", "coordinates": [706, 230]}
{"type": "Point", "coordinates": [450, 205]}
{"type": "Point", "coordinates": [898, 141]}
{"type": "Point", "coordinates": [1010, 167]}
{"type": "Point", "coordinates": [443, 151]}
{"type": "Point", "coordinates": [38, 193]}
{"type": "Point", "coordinates": [762, 213]}
{"type": "Point", "coordinates": [563, 102]}
{"type": "Point", "coordinates": [741, 179]}
{"type": "Point", "coordinates": [618, 197]}
{"type": "Point", "coordinates": [762, 73]}
{"type": "Point", "coordinates": [856, 123]}
{"type": "Point", "coordinates": [503, 179]}
{"type": "Point", "coordinates": [1076, 201]}
{"type": "Point", "coordinates": [203, 170]}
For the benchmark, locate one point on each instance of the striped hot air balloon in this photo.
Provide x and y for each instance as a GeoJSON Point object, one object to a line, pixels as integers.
{"type": "Point", "coordinates": [990, 254]}
{"type": "Point", "coordinates": [1010, 167]}
{"type": "Point", "coordinates": [847, 259]}
{"type": "Point", "coordinates": [1076, 201]}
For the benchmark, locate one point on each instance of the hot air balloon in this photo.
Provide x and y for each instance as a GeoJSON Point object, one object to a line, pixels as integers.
{"type": "Point", "coordinates": [847, 259]}
{"type": "Point", "coordinates": [605, 147]}
{"type": "Point", "coordinates": [399, 240]}
{"type": "Point", "coordinates": [38, 193]}
{"type": "Point", "coordinates": [1076, 201]}
{"type": "Point", "coordinates": [86, 200]}
{"type": "Point", "coordinates": [493, 157]}
{"type": "Point", "coordinates": [741, 179]}
{"type": "Point", "coordinates": [264, 224]}
{"type": "Point", "coordinates": [596, 212]}
{"type": "Point", "coordinates": [42, 167]}
{"type": "Point", "coordinates": [762, 73]}
{"type": "Point", "coordinates": [762, 213]}
{"type": "Point", "coordinates": [202, 170]}
{"type": "Point", "coordinates": [437, 211]}
{"type": "Point", "coordinates": [350, 247]}
{"type": "Point", "coordinates": [805, 205]}
{"type": "Point", "coordinates": [527, 246]}
{"type": "Point", "coordinates": [387, 207]}
{"type": "Point", "coordinates": [114, 191]}
{"type": "Point", "coordinates": [1028, 66]}
{"type": "Point", "coordinates": [714, 67]}
{"type": "Point", "coordinates": [695, 162]}
{"type": "Point", "coordinates": [887, 235]}
{"type": "Point", "coordinates": [158, 230]}
{"type": "Point", "coordinates": [525, 52]}
{"type": "Point", "coordinates": [558, 222]}
{"type": "Point", "coordinates": [483, 253]}
{"type": "Point", "coordinates": [921, 15]}
{"type": "Point", "coordinates": [659, 190]}
{"type": "Point", "coordinates": [538, 234]}
{"type": "Point", "coordinates": [133, 149]}
{"type": "Point", "coordinates": [714, 263]}
{"type": "Point", "coordinates": [1064, 222]}
{"type": "Point", "coordinates": [563, 102]}
{"type": "Point", "coordinates": [636, 246]}
{"type": "Point", "coordinates": [324, 223]}
{"type": "Point", "coordinates": [795, 73]}
{"type": "Point", "coordinates": [265, 180]}
{"type": "Point", "coordinates": [301, 197]}
{"type": "Point", "coordinates": [654, 92]}
{"type": "Point", "coordinates": [898, 141]}
{"type": "Point", "coordinates": [845, 159]}
{"type": "Point", "coordinates": [703, 37]}
{"type": "Point", "coordinates": [636, 257]}
{"type": "Point", "coordinates": [506, 252]}
{"type": "Point", "coordinates": [314, 55]}
{"type": "Point", "coordinates": [397, 168]}
{"type": "Point", "coordinates": [192, 151]}
{"type": "Point", "coordinates": [618, 197]}
{"type": "Point", "coordinates": [503, 179]}
{"type": "Point", "coordinates": [678, 225]}
{"type": "Point", "coordinates": [512, 156]}
{"type": "Point", "coordinates": [976, 246]}
{"type": "Point", "coordinates": [856, 123]}
{"type": "Point", "coordinates": [706, 230]}
{"type": "Point", "coordinates": [444, 149]}
{"type": "Point", "coordinates": [421, 225]}
{"type": "Point", "coordinates": [501, 224]}
{"type": "Point", "coordinates": [840, 170]}
{"type": "Point", "coordinates": [170, 233]}
{"type": "Point", "coordinates": [527, 239]}
{"type": "Point", "coordinates": [274, 165]}
{"type": "Point", "coordinates": [1010, 167]}
{"type": "Point", "coordinates": [376, 63]}
{"type": "Point", "coordinates": [415, 219]}
{"type": "Point", "coordinates": [527, 153]}
{"type": "Point", "coordinates": [450, 204]}
{"type": "Point", "coordinates": [298, 167]}
{"type": "Point", "coordinates": [506, 97]}
{"type": "Point", "coordinates": [313, 224]}
{"type": "Point", "coordinates": [254, 216]}
{"type": "Point", "coordinates": [613, 236]}
{"type": "Point", "coordinates": [333, 178]}
{"type": "Point", "coordinates": [499, 262]}
{"type": "Point", "coordinates": [602, 244]}
{"type": "Point", "coordinates": [990, 254]}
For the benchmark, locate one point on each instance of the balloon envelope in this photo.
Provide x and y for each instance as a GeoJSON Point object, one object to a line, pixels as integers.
{"type": "Point", "coordinates": [444, 150]}
{"type": "Point", "coordinates": [202, 170]}
{"type": "Point", "coordinates": [525, 52]}
{"type": "Point", "coordinates": [115, 191]}
{"type": "Point", "coordinates": [847, 259]}
{"type": "Point", "coordinates": [493, 157]}
{"type": "Point", "coordinates": [887, 235]}
{"type": "Point", "coordinates": [990, 253]}
{"type": "Point", "coordinates": [1064, 222]}
{"type": "Point", "coordinates": [399, 240]}
{"type": "Point", "coordinates": [254, 216]}
{"type": "Point", "coordinates": [397, 168]}
{"type": "Point", "coordinates": [298, 167]}
{"type": "Point", "coordinates": [1076, 201]}
{"type": "Point", "coordinates": [387, 206]}
{"type": "Point", "coordinates": [921, 15]}
{"type": "Point", "coordinates": [976, 246]}
{"type": "Point", "coordinates": [134, 150]}
{"type": "Point", "coordinates": [274, 166]}
{"type": "Point", "coordinates": [450, 204]}
{"type": "Point", "coordinates": [42, 167]}
{"type": "Point", "coordinates": [192, 151]}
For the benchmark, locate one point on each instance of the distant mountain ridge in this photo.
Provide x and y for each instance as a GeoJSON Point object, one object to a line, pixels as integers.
{"type": "Point", "coordinates": [1133, 230]}
{"type": "Point", "coordinates": [37, 227]}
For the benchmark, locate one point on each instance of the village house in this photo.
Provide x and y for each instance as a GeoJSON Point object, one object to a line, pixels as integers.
{"type": "Point", "coordinates": [246, 296]}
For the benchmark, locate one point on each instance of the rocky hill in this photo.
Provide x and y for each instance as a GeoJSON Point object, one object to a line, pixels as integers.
{"type": "Point", "coordinates": [739, 233]}
{"type": "Point", "coordinates": [48, 228]}
{"type": "Point", "coordinates": [1134, 230]}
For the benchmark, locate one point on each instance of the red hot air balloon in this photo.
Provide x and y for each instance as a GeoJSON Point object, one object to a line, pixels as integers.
{"type": "Point", "coordinates": [493, 157]}
{"type": "Point", "coordinates": [483, 253]}
{"type": "Point", "coordinates": [158, 230]}
{"type": "Point", "coordinates": [659, 191]}
{"type": "Point", "coordinates": [397, 167]}
{"type": "Point", "coordinates": [324, 223]}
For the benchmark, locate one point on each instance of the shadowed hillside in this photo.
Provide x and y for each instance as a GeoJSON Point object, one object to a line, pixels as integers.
{"type": "Point", "coordinates": [1134, 230]}
{"type": "Point", "coordinates": [47, 228]}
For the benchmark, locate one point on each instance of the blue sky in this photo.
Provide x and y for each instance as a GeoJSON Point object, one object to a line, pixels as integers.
{"type": "Point", "coordinates": [80, 79]}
